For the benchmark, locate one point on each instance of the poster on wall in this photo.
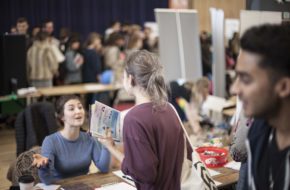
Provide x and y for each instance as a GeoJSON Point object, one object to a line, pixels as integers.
{"type": "Point", "coordinates": [231, 26]}
{"type": "Point", "coordinates": [178, 4]}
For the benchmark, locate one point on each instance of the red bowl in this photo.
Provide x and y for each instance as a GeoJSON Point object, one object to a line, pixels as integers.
{"type": "Point", "coordinates": [213, 157]}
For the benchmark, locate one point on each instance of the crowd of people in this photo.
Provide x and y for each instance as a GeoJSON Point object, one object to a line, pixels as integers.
{"type": "Point", "coordinates": [72, 58]}
{"type": "Point", "coordinates": [68, 60]}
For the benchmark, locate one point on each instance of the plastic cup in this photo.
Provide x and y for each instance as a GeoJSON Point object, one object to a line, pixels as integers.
{"type": "Point", "coordinates": [26, 182]}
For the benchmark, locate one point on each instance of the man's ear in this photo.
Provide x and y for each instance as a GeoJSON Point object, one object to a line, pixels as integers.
{"type": "Point", "coordinates": [283, 87]}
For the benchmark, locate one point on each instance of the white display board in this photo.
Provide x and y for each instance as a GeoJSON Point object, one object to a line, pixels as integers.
{"type": "Point", "coordinates": [179, 44]}
{"type": "Point", "coordinates": [218, 64]}
{"type": "Point", "coordinates": [255, 18]}
{"type": "Point", "coordinates": [231, 26]}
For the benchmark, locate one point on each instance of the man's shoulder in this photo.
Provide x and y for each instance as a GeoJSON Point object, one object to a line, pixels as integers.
{"type": "Point", "coordinates": [259, 130]}
{"type": "Point", "coordinates": [260, 124]}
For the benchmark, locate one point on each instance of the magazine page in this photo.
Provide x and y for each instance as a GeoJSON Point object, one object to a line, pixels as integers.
{"type": "Point", "coordinates": [103, 119]}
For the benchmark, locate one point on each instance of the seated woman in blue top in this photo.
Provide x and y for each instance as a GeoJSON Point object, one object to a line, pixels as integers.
{"type": "Point", "coordinates": [69, 152]}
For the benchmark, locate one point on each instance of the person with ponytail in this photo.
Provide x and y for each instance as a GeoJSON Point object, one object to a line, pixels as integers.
{"type": "Point", "coordinates": [152, 134]}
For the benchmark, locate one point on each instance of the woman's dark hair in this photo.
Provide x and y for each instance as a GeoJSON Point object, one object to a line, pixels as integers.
{"type": "Point", "coordinates": [113, 38]}
{"type": "Point", "coordinates": [59, 105]}
{"type": "Point", "coordinates": [73, 39]}
{"type": "Point", "coordinates": [272, 42]}
{"type": "Point", "coordinates": [146, 71]}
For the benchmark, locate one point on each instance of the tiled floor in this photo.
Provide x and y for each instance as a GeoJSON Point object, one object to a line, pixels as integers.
{"type": "Point", "coordinates": [7, 154]}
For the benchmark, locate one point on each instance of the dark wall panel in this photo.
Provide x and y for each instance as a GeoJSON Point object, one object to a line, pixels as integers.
{"type": "Point", "coordinates": [81, 16]}
{"type": "Point", "coordinates": [12, 63]}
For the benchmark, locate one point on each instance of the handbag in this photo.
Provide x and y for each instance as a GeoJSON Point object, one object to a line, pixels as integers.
{"type": "Point", "coordinates": [194, 174]}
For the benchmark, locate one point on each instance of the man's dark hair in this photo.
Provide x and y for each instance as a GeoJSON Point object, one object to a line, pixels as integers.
{"type": "Point", "coordinates": [21, 20]}
{"type": "Point", "coordinates": [45, 21]}
{"type": "Point", "coordinates": [114, 22]}
{"type": "Point", "coordinates": [272, 42]}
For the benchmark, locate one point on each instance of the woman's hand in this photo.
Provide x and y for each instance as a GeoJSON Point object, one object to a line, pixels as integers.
{"type": "Point", "coordinates": [39, 161]}
{"type": "Point", "coordinates": [107, 139]}
{"type": "Point", "coordinates": [108, 142]}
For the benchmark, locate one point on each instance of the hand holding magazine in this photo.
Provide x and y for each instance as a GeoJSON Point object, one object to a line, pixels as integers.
{"type": "Point", "coordinates": [103, 119]}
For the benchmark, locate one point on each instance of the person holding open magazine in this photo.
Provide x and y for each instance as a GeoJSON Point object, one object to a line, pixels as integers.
{"type": "Point", "coordinates": [152, 134]}
{"type": "Point", "coordinates": [69, 152]}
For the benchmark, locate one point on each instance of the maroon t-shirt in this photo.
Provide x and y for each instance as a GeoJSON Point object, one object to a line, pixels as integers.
{"type": "Point", "coordinates": [154, 146]}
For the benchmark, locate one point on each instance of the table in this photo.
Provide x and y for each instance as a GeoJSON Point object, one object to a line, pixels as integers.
{"type": "Point", "coordinates": [72, 89]}
{"type": "Point", "coordinates": [91, 181]}
{"type": "Point", "coordinates": [63, 90]}
{"type": "Point", "coordinates": [227, 177]}
{"type": "Point", "coordinates": [229, 112]}
{"type": "Point", "coordinates": [81, 89]}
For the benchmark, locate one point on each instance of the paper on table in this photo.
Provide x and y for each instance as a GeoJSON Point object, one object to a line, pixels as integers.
{"type": "Point", "coordinates": [213, 172]}
{"type": "Point", "coordinates": [119, 186]}
{"type": "Point", "coordinates": [217, 183]}
{"type": "Point", "coordinates": [46, 187]}
{"type": "Point", "coordinates": [233, 165]}
{"type": "Point", "coordinates": [120, 174]}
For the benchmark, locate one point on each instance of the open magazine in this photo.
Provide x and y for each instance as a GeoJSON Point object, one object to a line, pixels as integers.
{"type": "Point", "coordinates": [104, 118]}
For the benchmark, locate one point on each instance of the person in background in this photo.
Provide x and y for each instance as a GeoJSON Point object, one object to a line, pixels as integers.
{"type": "Point", "coordinates": [152, 134]}
{"type": "Point", "coordinates": [69, 152]}
{"type": "Point", "coordinates": [74, 61]}
{"type": "Point", "coordinates": [92, 64]}
{"type": "Point", "coordinates": [42, 64]}
{"type": "Point", "coordinates": [194, 109]}
{"type": "Point", "coordinates": [115, 27]}
{"type": "Point", "coordinates": [22, 27]}
{"type": "Point", "coordinates": [91, 69]}
{"type": "Point", "coordinates": [206, 54]}
{"type": "Point", "coordinates": [64, 36]}
{"type": "Point", "coordinates": [13, 30]}
{"type": "Point", "coordinates": [148, 41]}
{"type": "Point", "coordinates": [48, 27]}
{"type": "Point", "coordinates": [135, 43]}
{"type": "Point", "coordinates": [34, 32]}
{"type": "Point", "coordinates": [234, 45]}
{"type": "Point", "coordinates": [126, 32]}
{"type": "Point", "coordinates": [188, 99]}
{"type": "Point", "coordinates": [263, 85]}
{"type": "Point", "coordinates": [114, 57]}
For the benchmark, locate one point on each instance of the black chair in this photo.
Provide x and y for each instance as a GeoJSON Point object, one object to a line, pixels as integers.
{"type": "Point", "coordinates": [33, 124]}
